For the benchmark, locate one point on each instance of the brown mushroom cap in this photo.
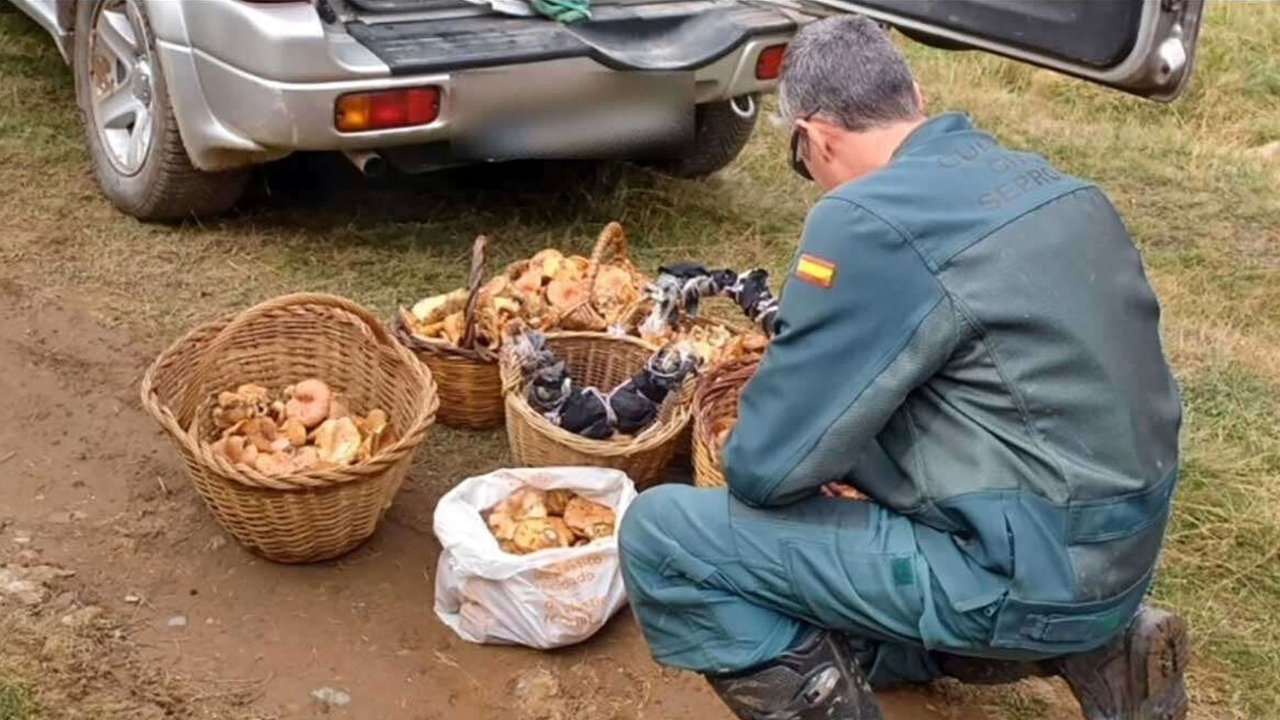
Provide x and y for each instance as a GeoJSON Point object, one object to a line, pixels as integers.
{"type": "Point", "coordinates": [262, 432]}
{"type": "Point", "coordinates": [309, 402]}
{"type": "Point", "coordinates": [557, 499]}
{"type": "Point", "coordinates": [563, 294]}
{"type": "Point", "coordinates": [536, 534]}
{"type": "Point", "coordinates": [548, 262]}
{"type": "Point", "coordinates": [295, 431]}
{"type": "Point", "coordinates": [501, 524]}
{"type": "Point", "coordinates": [276, 463]}
{"type": "Point", "coordinates": [526, 503]}
{"type": "Point", "coordinates": [305, 458]}
{"type": "Point", "coordinates": [585, 517]}
{"type": "Point", "coordinates": [337, 441]}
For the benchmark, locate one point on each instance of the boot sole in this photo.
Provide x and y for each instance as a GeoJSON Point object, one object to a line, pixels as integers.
{"type": "Point", "coordinates": [1162, 659]}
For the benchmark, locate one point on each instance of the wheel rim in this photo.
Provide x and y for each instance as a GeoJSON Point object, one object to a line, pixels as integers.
{"type": "Point", "coordinates": [121, 89]}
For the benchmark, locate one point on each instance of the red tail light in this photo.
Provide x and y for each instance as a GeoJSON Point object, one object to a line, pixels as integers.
{"type": "Point", "coordinates": [382, 109]}
{"type": "Point", "coordinates": [769, 62]}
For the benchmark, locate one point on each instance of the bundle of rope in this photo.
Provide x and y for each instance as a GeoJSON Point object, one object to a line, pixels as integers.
{"type": "Point", "coordinates": [564, 11]}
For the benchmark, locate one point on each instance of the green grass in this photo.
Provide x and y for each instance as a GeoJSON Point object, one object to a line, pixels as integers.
{"type": "Point", "coordinates": [1206, 215]}
{"type": "Point", "coordinates": [16, 702]}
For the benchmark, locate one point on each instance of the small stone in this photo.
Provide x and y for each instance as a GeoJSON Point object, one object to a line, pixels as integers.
{"type": "Point", "coordinates": [21, 590]}
{"type": "Point", "coordinates": [79, 515]}
{"type": "Point", "coordinates": [82, 617]}
{"type": "Point", "coordinates": [27, 557]}
{"type": "Point", "coordinates": [132, 599]}
{"type": "Point", "coordinates": [216, 544]}
{"type": "Point", "coordinates": [331, 697]}
{"type": "Point", "coordinates": [21, 538]}
{"type": "Point", "coordinates": [178, 621]}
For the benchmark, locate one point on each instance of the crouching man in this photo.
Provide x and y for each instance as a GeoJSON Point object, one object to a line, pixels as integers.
{"type": "Point", "coordinates": [967, 337]}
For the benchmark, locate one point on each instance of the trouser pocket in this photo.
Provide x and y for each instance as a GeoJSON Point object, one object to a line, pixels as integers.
{"type": "Point", "coordinates": [1063, 628]}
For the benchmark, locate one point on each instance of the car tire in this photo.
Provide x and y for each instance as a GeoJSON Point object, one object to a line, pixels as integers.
{"type": "Point", "coordinates": [148, 173]}
{"type": "Point", "coordinates": [721, 130]}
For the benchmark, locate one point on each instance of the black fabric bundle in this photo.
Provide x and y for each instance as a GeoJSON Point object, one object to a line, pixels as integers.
{"type": "Point", "coordinates": [586, 411]}
{"type": "Point", "coordinates": [682, 285]}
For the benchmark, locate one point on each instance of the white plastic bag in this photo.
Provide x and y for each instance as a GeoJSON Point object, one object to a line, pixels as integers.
{"type": "Point", "coordinates": [545, 599]}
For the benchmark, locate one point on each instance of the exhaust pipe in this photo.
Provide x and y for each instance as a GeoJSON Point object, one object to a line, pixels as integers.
{"type": "Point", "coordinates": [368, 162]}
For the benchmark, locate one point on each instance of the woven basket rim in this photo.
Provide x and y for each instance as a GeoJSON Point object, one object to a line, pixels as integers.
{"type": "Point", "coordinates": [718, 379]}
{"type": "Point", "coordinates": [405, 443]}
{"type": "Point", "coordinates": [513, 386]}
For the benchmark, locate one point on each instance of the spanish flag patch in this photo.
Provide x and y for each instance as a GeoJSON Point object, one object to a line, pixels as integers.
{"type": "Point", "coordinates": [816, 271]}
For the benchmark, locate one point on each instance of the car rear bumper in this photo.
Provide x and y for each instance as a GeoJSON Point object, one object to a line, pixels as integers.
{"type": "Point", "coordinates": [236, 111]}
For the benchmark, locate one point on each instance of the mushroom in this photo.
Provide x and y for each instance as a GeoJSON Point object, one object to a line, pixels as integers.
{"type": "Point", "coordinates": [424, 309]}
{"type": "Point", "coordinates": [548, 262]}
{"type": "Point", "coordinates": [454, 327]}
{"type": "Point", "coordinates": [339, 407]}
{"type": "Point", "coordinates": [588, 519]}
{"type": "Point", "coordinates": [613, 287]}
{"type": "Point", "coordinates": [261, 431]}
{"type": "Point", "coordinates": [536, 534]}
{"type": "Point", "coordinates": [530, 281]}
{"type": "Point", "coordinates": [564, 295]}
{"type": "Point", "coordinates": [557, 499]}
{"type": "Point", "coordinates": [236, 449]}
{"type": "Point", "coordinates": [526, 503]}
{"type": "Point", "coordinates": [337, 441]}
{"type": "Point", "coordinates": [309, 402]}
{"type": "Point", "coordinates": [372, 427]}
{"type": "Point", "coordinates": [305, 458]}
{"type": "Point", "coordinates": [276, 463]}
{"type": "Point", "coordinates": [295, 431]}
{"type": "Point", "coordinates": [501, 524]}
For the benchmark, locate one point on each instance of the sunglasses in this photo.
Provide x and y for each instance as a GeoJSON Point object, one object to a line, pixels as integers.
{"type": "Point", "coordinates": [797, 163]}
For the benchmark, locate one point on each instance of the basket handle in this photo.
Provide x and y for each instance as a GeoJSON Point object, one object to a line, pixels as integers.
{"type": "Point", "coordinates": [479, 258]}
{"type": "Point", "coordinates": [610, 245]}
{"type": "Point", "coordinates": [284, 302]}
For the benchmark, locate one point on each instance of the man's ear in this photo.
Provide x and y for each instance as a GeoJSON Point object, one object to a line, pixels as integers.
{"type": "Point", "coordinates": [821, 136]}
{"type": "Point", "coordinates": [919, 96]}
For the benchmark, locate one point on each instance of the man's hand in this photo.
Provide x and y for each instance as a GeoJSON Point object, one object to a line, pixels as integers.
{"type": "Point", "coordinates": [841, 490]}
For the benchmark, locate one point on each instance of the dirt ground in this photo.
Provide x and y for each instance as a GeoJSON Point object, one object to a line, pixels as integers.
{"type": "Point", "coordinates": [103, 495]}
{"type": "Point", "coordinates": [120, 599]}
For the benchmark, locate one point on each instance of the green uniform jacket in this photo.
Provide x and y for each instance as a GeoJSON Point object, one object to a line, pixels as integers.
{"type": "Point", "coordinates": [968, 336]}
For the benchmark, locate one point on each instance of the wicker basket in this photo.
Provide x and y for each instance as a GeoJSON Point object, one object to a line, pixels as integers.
{"type": "Point", "coordinates": [610, 248]}
{"type": "Point", "coordinates": [314, 515]}
{"type": "Point", "coordinates": [602, 361]}
{"type": "Point", "coordinates": [715, 398]}
{"type": "Point", "coordinates": [466, 376]}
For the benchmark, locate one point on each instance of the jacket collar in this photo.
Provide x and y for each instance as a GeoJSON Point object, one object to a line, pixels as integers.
{"type": "Point", "coordinates": [934, 127]}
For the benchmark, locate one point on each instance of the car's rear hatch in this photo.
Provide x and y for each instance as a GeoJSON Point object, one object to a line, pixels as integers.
{"type": "Point", "coordinates": [419, 36]}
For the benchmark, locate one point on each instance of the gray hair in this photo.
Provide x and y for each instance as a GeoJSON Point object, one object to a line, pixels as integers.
{"type": "Point", "coordinates": [848, 70]}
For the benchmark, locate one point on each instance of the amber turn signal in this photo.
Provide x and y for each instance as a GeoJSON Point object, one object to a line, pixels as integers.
{"type": "Point", "coordinates": [382, 109]}
{"type": "Point", "coordinates": [769, 62]}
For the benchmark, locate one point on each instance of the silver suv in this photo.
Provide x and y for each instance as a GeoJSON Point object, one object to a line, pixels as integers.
{"type": "Point", "coordinates": [181, 98]}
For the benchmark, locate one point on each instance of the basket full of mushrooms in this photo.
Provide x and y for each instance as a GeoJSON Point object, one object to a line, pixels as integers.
{"type": "Point", "coordinates": [460, 333]}
{"type": "Point", "coordinates": [297, 419]}
{"type": "Point", "coordinates": [455, 335]}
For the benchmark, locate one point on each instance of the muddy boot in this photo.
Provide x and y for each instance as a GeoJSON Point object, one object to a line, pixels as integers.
{"type": "Point", "coordinates": [1136, 676]}
{"type": "Point", "coordinates": [813, 681]}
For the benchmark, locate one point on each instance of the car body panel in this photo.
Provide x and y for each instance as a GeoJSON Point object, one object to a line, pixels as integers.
{"type": "Point", "coordinates": [1144, 47]}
